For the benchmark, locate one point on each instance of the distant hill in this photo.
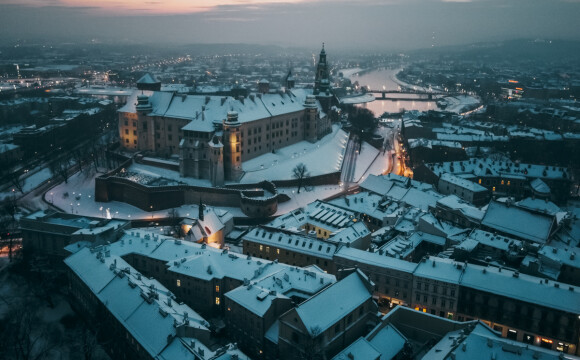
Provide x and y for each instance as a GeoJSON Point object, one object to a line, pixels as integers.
{"type": "Point", "coordinates": [513, 50]}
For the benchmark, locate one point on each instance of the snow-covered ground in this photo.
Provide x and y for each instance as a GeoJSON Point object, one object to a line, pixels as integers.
{"type": "Point", "coordinates": [364, 159]}
{"type": "Point", "coordinates": [31, 182]}
{"type": "Point", "coordinates": [461, 103]}
{"type": "Point", "coordinates": [81, 187]}
{"type": "Point", "coordinates": [323, 157]}
{"type": "Point", "coordinates": [77, 196]}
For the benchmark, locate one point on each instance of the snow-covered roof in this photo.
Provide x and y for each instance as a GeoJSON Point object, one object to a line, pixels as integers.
{"type": "Point", "coordinates": [401, 246]}
{"type": "Point", "coordinates": [484, 343]}
{"type": "Point", "coordinates": [359, 349]}
{"type": "Point", "coordinates": [539, 186]}
{"type": "Point", "coordinates": [540, 205]}
{"type": "Point", "coordinates": [292, 241]}
{"type": "Point", "coordinates": [523, 287]}
{"type": "Point", "coordinates": [330, 305]}
{"type": "Point", "coordinates": [566, 255]}
{"type": "Point", "coordinates": [428, 143]}
{"type": "Point", "coordinates": [461, 182]}
{"type": "Point", "coordinates": [387, 340]}
{"type": "Point", "coordinates": [475, 167]}
{"type": "Point", "coordinates": [148, 79]}
{"type": "Point", "coordinates": [202, 111]}
{"type": "Point", "coordinates": [258, 296]}
{"type": "Point", "coordinates": [518, 222]}
{"type": "Point", "coordinates": [494, 241]}
{"type": "Point", "coordinates": [455, 203]}
{"type": "Point", "coordinates": [142, 305]}
{"type": "Point", "coordinates": [375, 259]}
{"type": "Point", "coordinates": [446, 270]}
{"type": "Point", "coordinates": [318, 213]}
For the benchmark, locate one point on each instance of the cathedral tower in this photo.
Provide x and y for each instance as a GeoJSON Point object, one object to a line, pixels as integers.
{"type": "Point", "coordinates": [322, 89]}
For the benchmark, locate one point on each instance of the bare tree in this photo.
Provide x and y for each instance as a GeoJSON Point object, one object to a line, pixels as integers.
{"type": "Point", "coordinates": [173, 217]}
{"type": "Point", "coordinates": [300, 172]}
{"type": "Point", "coordinates": [59, 168]}
{"type": "Point", "coordinates": [25, 336]}
{"type": "Point", "coordinates": [17, 181]}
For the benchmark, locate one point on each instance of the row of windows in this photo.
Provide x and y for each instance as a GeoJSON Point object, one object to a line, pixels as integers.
{"type": "Point", "coordinates": [443, 302]}
{"type": "Point", "coordinates": [436, 289]}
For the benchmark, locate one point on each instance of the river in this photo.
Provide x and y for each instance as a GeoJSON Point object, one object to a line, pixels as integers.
{"type": "Point", "coordinates": [383, 79]}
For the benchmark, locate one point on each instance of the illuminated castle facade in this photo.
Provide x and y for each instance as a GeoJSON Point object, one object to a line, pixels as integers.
{"type": "Point", "coordinates": [214, 135]}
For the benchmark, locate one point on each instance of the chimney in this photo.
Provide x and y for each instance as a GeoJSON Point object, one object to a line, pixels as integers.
{"type": "Point", "coordinates": [200, 214]}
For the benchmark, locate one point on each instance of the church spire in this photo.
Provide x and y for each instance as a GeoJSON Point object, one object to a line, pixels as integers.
{"type": "Point", "coordinates": [322, 79]}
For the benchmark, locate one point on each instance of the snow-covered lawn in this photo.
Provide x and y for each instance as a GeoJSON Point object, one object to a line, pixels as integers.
{"type": "Point", "coordinates": [323, 157]}
{"type": "Point", "coordinates": [77, 196]}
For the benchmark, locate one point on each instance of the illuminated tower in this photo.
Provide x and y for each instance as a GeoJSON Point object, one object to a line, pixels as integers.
{"type": "Point", "coordinates": [310, 119]}
{"type": "Point", "coordinates": [145, 125]}
{"type": "Point", "coordinates": [216, 162]}
{"type": "Point", "coordinates": [232, 151]}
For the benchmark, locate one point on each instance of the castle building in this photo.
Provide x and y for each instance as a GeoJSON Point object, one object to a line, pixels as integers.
{"type": "Point", "coordinates": [213, 135]}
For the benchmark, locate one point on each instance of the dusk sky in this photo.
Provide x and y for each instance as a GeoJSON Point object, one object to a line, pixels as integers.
{"type": "Point", "coordinates": [373, 24]}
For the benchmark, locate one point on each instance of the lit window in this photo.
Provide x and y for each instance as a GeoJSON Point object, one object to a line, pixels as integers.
{"type": "Point", "coordinates": [493, 189]}
{"type": "Point", "coordinates": [480, 181]}
{"type": "Point", "coordinates": [178, 283]}
{"type": "Point", "coordinates": [217, 300]}
{"type": "Point", "coordinates": [217, 288]}
{"type": "Point", "coordinates": [502, 182]}
{"type": "Point", "coordinates": [278, 251]}
{"type": "Point", "coordinates": [509, 182]}
{"type": "Point", "coordinates": [261, 247]}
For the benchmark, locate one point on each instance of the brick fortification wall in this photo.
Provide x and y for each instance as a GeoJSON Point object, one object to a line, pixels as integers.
{"type": "Point", "coordinates": [255, 200]}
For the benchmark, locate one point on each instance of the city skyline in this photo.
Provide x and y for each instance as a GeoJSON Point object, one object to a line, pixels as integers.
{"type": "Point", "coordinates": [392, 25]}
